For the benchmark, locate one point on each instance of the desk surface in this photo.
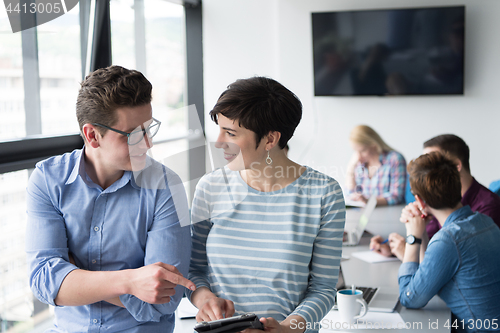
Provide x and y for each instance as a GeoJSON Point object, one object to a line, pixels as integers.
{"type": "Point", "coordinates": [385, 274]}
{"type": "Point", "coordinates": [383, 221]}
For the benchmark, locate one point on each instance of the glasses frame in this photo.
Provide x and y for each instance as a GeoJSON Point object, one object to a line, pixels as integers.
{"type": "Point", "coordinates": [143, 130]}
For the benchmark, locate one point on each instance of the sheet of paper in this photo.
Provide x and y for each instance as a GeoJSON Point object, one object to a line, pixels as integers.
{"type": "Point", "coordinates": [352, 203]}
{"type": "Point", "coordinates": [372, 320]}
{"type": "Point", "coordinates": [186, 310]}
{"type": "Point", "coordinates": [372, 257]}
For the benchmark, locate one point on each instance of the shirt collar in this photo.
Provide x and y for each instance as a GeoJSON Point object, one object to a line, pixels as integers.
{"type": "Point", "coordinates": [79, 170]}
{"type": "Point", "coordinates": [459, 214]}
{"type": "Point", "coordinates": [471, 191]}
{"type": "Point", "coordinates": [134, 175]}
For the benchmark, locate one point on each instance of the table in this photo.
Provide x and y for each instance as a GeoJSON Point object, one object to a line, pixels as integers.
{"type": "Point", "coordinates": [385, 274]}
{"type": "Point", "coordinates": [383, 221]}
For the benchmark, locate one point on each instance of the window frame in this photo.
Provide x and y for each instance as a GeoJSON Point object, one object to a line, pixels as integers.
{"type": "Point", "coordinates": [24, 153]}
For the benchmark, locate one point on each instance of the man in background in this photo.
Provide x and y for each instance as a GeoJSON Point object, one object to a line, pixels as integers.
{"type": "Point", "coordinates": [475, 195]}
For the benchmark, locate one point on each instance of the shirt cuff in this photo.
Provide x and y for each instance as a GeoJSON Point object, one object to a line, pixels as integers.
{"type": "Point", "coordinates": [408, 268]}
{"type": "Point", "coordinates": [199, 283]}
{"type": "Point", "coordinates": [53, 283]}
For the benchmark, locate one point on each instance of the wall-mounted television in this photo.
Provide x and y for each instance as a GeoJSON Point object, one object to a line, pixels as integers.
{"type": "Point", "coordinates": [410, 51]}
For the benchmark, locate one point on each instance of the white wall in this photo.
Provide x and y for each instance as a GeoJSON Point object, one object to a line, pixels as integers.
{"type": "Point", "coordinates": [243, 38]}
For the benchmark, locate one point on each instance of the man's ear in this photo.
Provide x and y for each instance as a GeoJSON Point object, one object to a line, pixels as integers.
{"type": "Point", "coordinates": [459, 165]}
{"type": "Point", "coordinates": [91, 135]}
{"type": "Point", "coordinates": [272, 139]}
{"type": "Point", "coordinates": [421, 203]}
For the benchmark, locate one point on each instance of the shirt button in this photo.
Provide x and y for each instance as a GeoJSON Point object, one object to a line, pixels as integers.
{"type": "Point", "coordinates": [95, 321]}
{"type": "Point", "coordinates": [94, 261]}
{"type": "Point", "coordinates": [96, 228]}
{"type": "Point", "coordinates": [408, 293]}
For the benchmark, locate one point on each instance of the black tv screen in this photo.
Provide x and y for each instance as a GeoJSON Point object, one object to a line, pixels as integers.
{"type": "Point", "coordinates": [411, 51]}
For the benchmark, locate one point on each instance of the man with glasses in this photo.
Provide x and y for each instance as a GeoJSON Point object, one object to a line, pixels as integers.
{"type": "Point", "coordinates": [107, 237]}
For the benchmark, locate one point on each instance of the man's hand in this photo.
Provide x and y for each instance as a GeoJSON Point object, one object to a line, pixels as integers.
{"type": "Point", "coordinates": [397, 244]}
{"type": "Point", "coordinates": [155, 283]}
{"type": "Point", "coordinates": [377, 246]}
{"type": "Point", "coordinates": [215, 308]}
{"type": "Point", "coordinates": [411, 210]}
{"type": "Point", "coordinates": [415, 223]}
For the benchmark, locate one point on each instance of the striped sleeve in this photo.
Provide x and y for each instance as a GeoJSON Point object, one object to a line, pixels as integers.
{"type": "Point", "coordinates": [200, 228]}
{"type": "Point", "coordinates": [325, 261]}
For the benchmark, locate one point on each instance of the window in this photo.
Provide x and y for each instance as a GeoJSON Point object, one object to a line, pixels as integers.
{"type": "Point", "coordinates": [18, 310]}
{"type": "Point", "coordinates": [59, 59]}
{"type": "Point", "coordinates": [149, 36]}
{"type": "Point", "coordinates": [11, 82]}
{"type": "Point", "coordinates": [122, 33]}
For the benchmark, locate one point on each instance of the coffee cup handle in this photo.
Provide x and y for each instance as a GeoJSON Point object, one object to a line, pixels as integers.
{"type": "Point", "coordinates": [364, 309]}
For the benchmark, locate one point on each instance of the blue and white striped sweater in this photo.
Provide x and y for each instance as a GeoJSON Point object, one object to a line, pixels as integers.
{"type": "Point", "coordinates": [271, 253]}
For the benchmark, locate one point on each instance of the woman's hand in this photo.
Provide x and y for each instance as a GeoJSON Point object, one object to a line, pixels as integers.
{"type": "Point", "coordinates": [377, 246]}
{"type": "Point", "coordinates": [358, 197]}
{"type": "Point", "coordinates": [350, 181]}
{"type": "Point", "coordinates": [353, 161]}
{"type": "Point", "coordinates": [271, 325]}
{"type": "Point", "coordinates": [215, 308]}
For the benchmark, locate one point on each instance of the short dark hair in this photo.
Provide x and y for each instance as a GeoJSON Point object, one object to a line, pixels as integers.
{"type": "Point", "coordinates": [435, 178]}
{"type": "Point", "coordinates": [261, 105]}
{"type": "Point", "coordinates": [105, 90]}
{"type": "Point", "coordinates": [452, 145]}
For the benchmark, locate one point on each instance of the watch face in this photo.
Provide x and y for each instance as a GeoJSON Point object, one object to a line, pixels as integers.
{"type": "Point", "coordinates": [410, 239]}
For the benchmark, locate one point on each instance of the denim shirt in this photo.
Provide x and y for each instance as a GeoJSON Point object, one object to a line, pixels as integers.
{"type": "Point", "coordinates": [461, 265]}
{"type": "Point", "coordinates": [136, 221]}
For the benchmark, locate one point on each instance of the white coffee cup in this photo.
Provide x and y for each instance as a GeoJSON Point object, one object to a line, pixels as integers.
{"type": "Point", "coordinates": [351, 307]}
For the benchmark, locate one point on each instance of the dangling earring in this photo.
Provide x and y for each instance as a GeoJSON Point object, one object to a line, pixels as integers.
{"type": "Point", "coordinates": [269, 160]}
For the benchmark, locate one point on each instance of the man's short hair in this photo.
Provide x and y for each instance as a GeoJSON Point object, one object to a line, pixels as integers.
{"type": "Point", "coordinates": [452, 145]}
{"type": "Point", "coordinates": [261, 105]}
{"type": "Point", "coordinates": [436, 180]}
{"type": "Point", "coordinates": [107, 89]}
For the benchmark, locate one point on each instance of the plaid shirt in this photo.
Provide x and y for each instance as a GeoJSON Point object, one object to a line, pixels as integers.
{"type": "Point", "coordinates": [389, 181]}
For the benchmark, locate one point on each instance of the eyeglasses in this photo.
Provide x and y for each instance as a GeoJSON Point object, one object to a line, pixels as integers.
{"type": "Point", "coordinates": [136, 136]}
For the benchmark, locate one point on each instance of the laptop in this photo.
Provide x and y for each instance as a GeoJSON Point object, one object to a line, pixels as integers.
{"type": "Point", "coordinates": [378, 299]}
{"type": "Point", "coordinates": [352, 237]}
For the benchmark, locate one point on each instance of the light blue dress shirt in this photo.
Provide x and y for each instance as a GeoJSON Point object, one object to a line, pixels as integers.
{"type": "Point", "coordinates": [461, 265]}
{"type": "Point", "coordinates": [140, 219]}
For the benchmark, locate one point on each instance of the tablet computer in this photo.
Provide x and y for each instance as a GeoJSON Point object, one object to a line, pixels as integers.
{"type": "Point", "coordinates": [230, 325]}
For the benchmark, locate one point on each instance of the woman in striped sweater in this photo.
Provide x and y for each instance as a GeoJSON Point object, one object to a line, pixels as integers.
{"type": "Point", "coordinates": [267, 232]}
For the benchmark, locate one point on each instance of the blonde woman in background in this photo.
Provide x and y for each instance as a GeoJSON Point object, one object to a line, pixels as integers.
{"type": "Point", "coordinates": [375, 169]}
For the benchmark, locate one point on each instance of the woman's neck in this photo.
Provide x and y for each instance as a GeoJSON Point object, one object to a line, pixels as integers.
{"type": "Point", "coordinates": [268, 178]}
{"type": "Point", "coordinates": [372, 165]}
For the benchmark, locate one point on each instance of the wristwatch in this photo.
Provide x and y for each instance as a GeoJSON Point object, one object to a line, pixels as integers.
{"type": "Point", "coordinates": [410, 239]}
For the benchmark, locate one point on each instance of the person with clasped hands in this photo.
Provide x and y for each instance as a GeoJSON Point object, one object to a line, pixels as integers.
{"type": "Point", "coordinates": [374, 169]}
{"type": "Point", "coordinates": [267, 232]}
{"type": "Point", "coordinates": [460, 263]}
{"type": "Point", "coordinates": [104, 239]}
{"type": "Point", "coordinates": [479, 198]}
